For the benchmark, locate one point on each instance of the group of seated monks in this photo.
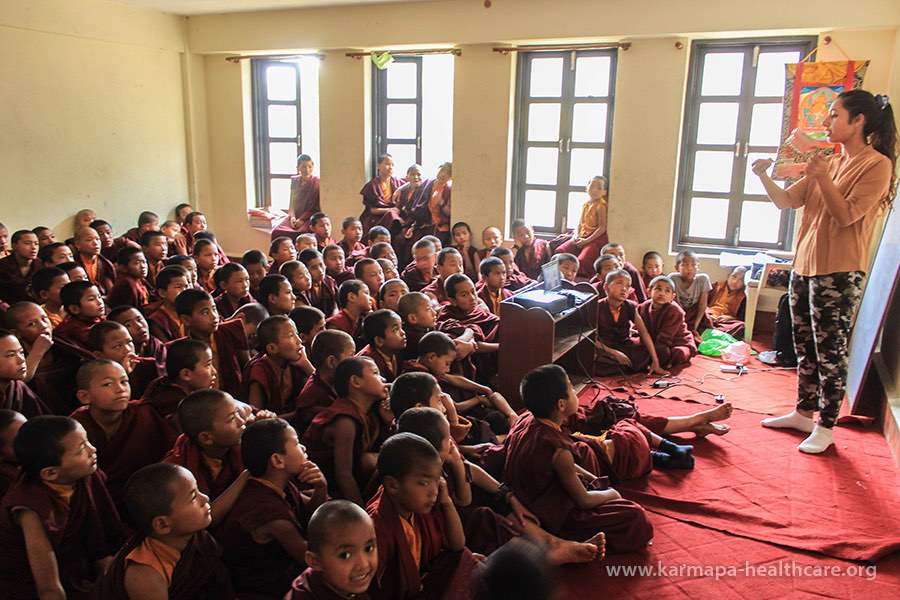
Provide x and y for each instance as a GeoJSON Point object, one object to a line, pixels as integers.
{"type": "Point", "coordinates": [318, 422]}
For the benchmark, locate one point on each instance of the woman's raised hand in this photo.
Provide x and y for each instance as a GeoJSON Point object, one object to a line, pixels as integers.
{"type": "Point", "coordinates": [761, 166]}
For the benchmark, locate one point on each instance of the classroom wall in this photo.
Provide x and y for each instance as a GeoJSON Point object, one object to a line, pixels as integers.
{"type": "Point", "coordinates": [92, 113]}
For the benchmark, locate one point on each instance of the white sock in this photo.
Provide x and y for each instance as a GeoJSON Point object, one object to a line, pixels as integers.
{"type": "Point", "coordinates": [792, 421]}
{"type": "Point", "coordinates": [819, 441]}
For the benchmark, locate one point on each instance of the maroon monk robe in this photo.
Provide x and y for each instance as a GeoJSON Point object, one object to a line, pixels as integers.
{"type": "Point", "coordinates": [441, 574]}
{"type": "Point", "coordinates": [427, 218]}
{"type": "Point", "coordinates": [81, 531]}
{"type": "Point", "coordinates": [54, 379]}
{"type": "Point", "coordinates": [373, 197]}
{"type": "Point", "coordinates": [14, 285]}
{"type": "Point", "coordinates": [530, 448]}
{"type": "Point", "coordinates": [352, 253]}
{"type": "Point", "coordinates": [143, 438]}
{"type": "Point", "coordinates": [516, 279]}
{"type": "Point", "coordinates": [112, 250]}
{"type": "Point", "coordinates": [342, 321]}
{"type": "Point", "coordinates": [414, 278]}
{"type": "Point", "coordinates": [315, 396]}
{"type": "Point", "coordinates": [311, 585]}
{"type": "Point", "coordinates": [436, 288]}
{"type": "Point", "coordinates": [324, 296]}
{"type": "Point", "coordinates": [637, 282]}
{"type": "Point", "coordinates": [164, 395]}
{"type": "Point", "coordinates": [229, 339]}
{"type": "Point", "coordinates": [671, 337]}
{"type": "Point", "coordinates": [9, 473]}
{"type": "Point", "coordinates": [321, 244]}
{"type": "Point", "coordinates": [226, 308]}
{"type": "Point", "coordinates": [187, 454]}
{"type": "Point", "coordinates": [489, 299]}
{"type": "Point", "coordinates": [453, 328]}
{"type": "Point", "coordinates": [106, 273]}
{"type": "Point", "coordinates": [617, 334]}
{"type": "Point", "coordinates": [470, 261]}
{"type": "Point", "coordinates": [133, 235]}
{"type": "Point", "coordinates": [389, 366]}
{"type": "Point", "coordinates": [483, 526]}
{"type": "Point", "coordinates": [370, 432]}
{"type": "Point", "coordinates": [75, 329]}
{"type": "Point", "coordinates": [261, 370]}
{"type": "Point", "coordinates": [261, 569]}
{"type": "Point", "coordinates": [128, 291]}
{"type": "Point", "coordinates": [19, 397]}
{"type": "Point", "coordinates": [199, 573]}
{"type": "Point", "coordinates": [340, 278]}
{"type": "Point", "coordinates": [632, 457]}
{"type": "Point", "coordinates": [304, 204]}
{"type": "Point", "coordinates": [488, 323]}
{"type": "Point", "coordinates": [149, 366]}
{"type": "Point", "coordinates": [705, 323]}
{"type": "Point", "coordinates": [530, 258]}
{"type": "Point", "coordinates": [164, 324]}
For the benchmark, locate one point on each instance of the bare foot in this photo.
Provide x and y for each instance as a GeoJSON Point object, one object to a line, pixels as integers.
{"type": "Point", "coordinates": [563, 552]}
{"type": "Point", "coordinates": [719, 413]}
{"type": "Point", "coordinates": [711, 428]}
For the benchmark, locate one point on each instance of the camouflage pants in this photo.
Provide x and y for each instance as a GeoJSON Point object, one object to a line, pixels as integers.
{"type": "Point", "coordinates": [822, 308]}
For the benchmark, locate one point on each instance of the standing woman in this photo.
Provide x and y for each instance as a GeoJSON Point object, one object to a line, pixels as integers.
{"type": "Point", "coordinates": [842, 195]}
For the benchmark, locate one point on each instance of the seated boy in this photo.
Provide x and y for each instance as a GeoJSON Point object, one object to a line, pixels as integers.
{"type": "Point", "coordinates": [251, 315]}
{"type": "Point", "coordinates": [281, 250]}
{"type": "Point", "coordinates": [54, 254]}
{"type": "Point", "coordinates": [377, 235]}
{"type": "Point", "coordinates": [617, 349]}
{"type": "Point", "coordinates": [84, 307]}
{"type": "Point", "coordinates": [420, 272]}
{"type": "Point", "coordinates": [351, 244]}
{"type": "Point", "coordinates": [323, 290]}
{"type": "Point", "coordinates": [273, 380]}
{"type": "Point", "coordinates": [692, 292]}
{"type": "Point", "coordinates": [262, 536]}
{"type": "Point", "coordinates": [531, 252]}
{"type": "Point", "coordinates": [130, 287]}
{"type": "Point", "coordinates": [388, 269]}
{"type": "Point", "coordinates": [490, 238]}
{"type": "Point", "coordinates": [172, 555]}
{"type": "Point", "coordinates": [492, 288]}
{"type": "Point", "coordinates": [420, 538]}
{"type": "Point", "coordinates": [58, 525]}
{"type": "Point", "coordinates": [341, 553]}
{"type": "Point", "coordinates": [99, 269]}
{"type": "Point", "coordinates": [383, 250]}
{"type": "Point", "coordinates": [232, 288]}
{"type": "Point", "coordinates": [727, 303]}
{"type": "Point", "coordinates": [390, 293]}
{"type": "Point", "coordinates": [344, 438]}
{"type": "Point", "coordinates": [189, 367]}
{"type": "Point", "coordinates": [465, 308]}
{"type": "Point", "coordinates": [664, 319]}
{"type": "Point", "coordinates": [156, 249]}
{"type": "Point", "coordinates": [651, 267]}
{"type": "Point", "coordinates": [207, 259]}
{"type": "Point", "coordinates": [45, 287]}
{"type": "Point", "coordinates": [111, 340]}
{"type": "Point", "coordinates": [321, 227]}
{"type": "Point", "coordinates": [127, 435]}
{"type": "Point", "coordinates": [369, 272]}
{"type": "Point", "coordinates": [14, 394]}
{"type": "Point", "coordinates": [10, 423]}
{"type": "Point", "coordinates": [637, 283]}
{"type": "Point", "coordinates": [542, 472]}
{"type": "Point", "coordinates": [257, 266]}
{"type": "Point", "coordinates": [449, 262]}
{"type": "Point", "coordinates": [568, 266]}
{"type": "Point", "coordinates": [515, 279]}
{"type": "Point", "coordinates": [298, 276]}
{"type": "Point", "coordinates": [420, 318]}
{"type": "Point", "coordinates": [327, 350]}
{"type": "Point", "coordinates": [603, 266]}
{"type": "Point", "coordinates": [147, 347]}
{"type": "Point", "coordinates": [163, 320]}
{"type": "Point", "coordinates": [227, 340]}
{"type": "Point", "coordinates": [355, 302]}
{"type": "Point", "coordinates": [335, 264]}
{"type": "Point", "coordinates": [384, 332]}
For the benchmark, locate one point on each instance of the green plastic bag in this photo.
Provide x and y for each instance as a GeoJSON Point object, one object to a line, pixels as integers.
{"type": "Point", "coordinates": [714, 341]}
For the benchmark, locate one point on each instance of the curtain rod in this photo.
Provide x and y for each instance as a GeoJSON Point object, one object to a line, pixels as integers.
{"type": "Point", "coordinates": [508, 49]}
{"type": "Point", "coordinates": [453, 51]}
{"type": "Point", "coordinates": [239, 58]}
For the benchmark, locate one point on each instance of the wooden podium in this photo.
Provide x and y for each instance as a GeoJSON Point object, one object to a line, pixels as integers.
{"type": "Point", "coordinates": [533, 337]}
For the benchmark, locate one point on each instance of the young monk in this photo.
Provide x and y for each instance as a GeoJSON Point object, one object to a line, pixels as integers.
{"type": "Point", "coordinates": [617, 349]}
{"type": "Point", "coordinates": [420, 318]}
{"type": "Point", "coordinates": [420, 272]}
{"type": "Point", "coordinates": [110, 340]}
{"type": "Point", "coordinates": [384, 332]}
{"type": "Point", "coordinates": [692, 291]}
{"type": "Point", "coordinates": [172, 555]}
{"type": "Point", "coordinates": [664, 319]}
{"type": "Point", "coordinates": [45, 235]}
{"type": "Point", "coordinates": [281, 250]}
{"type": "Point", "coordinates": [306, 241]}
{"type": "Point", "coordinates": [321, 227]}
{"type": "Point", "coordinates": [99, 269]}
{"type": "Point", "coordinates": [377, 235]}
{"type": "Point", "coordinates": [273, 379]}
{"type": "Point", "coordinates": [4, 241]}
{"type": "Point", "coordinates": [262, 537]}
{"type": "Point", "coordinates": [449, 262]}
{"type": "Point", "coordinates": [148, 349]}
{"type": "Point", "coordinates": [126, 434]}
{"type": "Point", "coordinates": [432, 208]}
{"type": "Point", "coordinates": [210, 446]}
{"type": "Point", "coordinates": [618, 251]}
{"type": "Point", "coordinates": [257, 266]}
{"type": "Point", "coordinates": [233, 288]}
{"type": "Point", "coordinates": [58, 525]}
{"type": "Point", "coordinates": [130, 287]}
{"type": "Point", "coordinates": [226, 339]}
{"type": "Point", "coordinates": [344, 438]}
{"type": "Point", "coordinates": [310, 322]}
{"type": "Point", "coordinates": [83, 218]}
{"type": "Point", "coordinates": [175, 239]}
{"type": "Point", "coordinates": [379, 208]}
{"type": "Point", "coordinates": [189, 367]}
{"type": "Point", "coordinates": [491, 238]}
{"type": "Point", "coordinates": [351, 242]}
{"type": "Point", "coordinates": [492, 290]}
{"type": "Point", "coordinates": [369, 272]}
{"type": "Point", "coordinates": [304, 199]}
{"type": "Point", "coordinates": [383, 250]}
{"type": "Point", "coordinates": [590, 235]}
{"type": "Point", "coordinates": [651, 267]}
{"type": "Point", "coordinates": [327, 350]}
{"type": "Point", "coordinates": [207, 259]}
{"type": "Point", "coordinates": [420, 538]}
{"type": "Point", "coordinates": [46, 287]}
{"type": "Point", "coordinates": [298, 276]}
{"type": "Point", "coordinates": [276, 295]}
{"type": "Point", "coordinates": [388, 268]}
{"type": "Point", "coordinates": [323, 291]}
{"type": "Point", "coordinates": [531, 252]}
{"type": "Point", "coordinates": [164, 322]}
{"type": "Point", "coordinates": [603, 266]}
{"type": "Point", "coordinates": [390, 293]}
{"type": "Point", "coordinates": [109, 243]}
{"type": "Point", "coordinates": [727, 303]}
{"type": "Point", "coordinates": [464, 308]}
{"type": "Point", "coordinates": [54, 254]}
{"type": "Point", "coordinates": [189, 265]}
{"type": "Point", "coordinates": [84, 307]}
{"type": "Point", "coordinates": [335, 264]}
{"type": "Point", "coordinates": [542, 471]}
{"type": "Point", "coordinates": [462, 241]}
{"type": "Point", "coordinates": [515, 279]}
{"type": "Point", "coordinates": [18, 267]}
{"type": "Point", "coordinates": [14, 394]}
{"type": "Point", "coordinates": [10, 423]}
{"type": "Point", "coordinates": [355, 302]}
{"type": "Point", "coordinates": [155, 249]}
{"type": "Point", "coordinates": [251, 315]}
{"type": "Point", "coordinates": [341, 553]}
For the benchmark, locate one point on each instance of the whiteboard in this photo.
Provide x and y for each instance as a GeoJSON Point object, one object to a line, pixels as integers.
{"type": "Point", "coordinates": [881, 286]}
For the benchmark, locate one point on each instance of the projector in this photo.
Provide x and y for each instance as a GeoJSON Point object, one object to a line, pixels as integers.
{"type": "Point", "coordinates": [549, 301]}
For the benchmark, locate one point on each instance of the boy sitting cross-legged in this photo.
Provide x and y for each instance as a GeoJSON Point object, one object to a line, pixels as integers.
{"type": "Point", "coordinates": [664, 319]}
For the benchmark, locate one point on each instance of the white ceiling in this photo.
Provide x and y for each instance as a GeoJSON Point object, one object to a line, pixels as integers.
{"type": "Point", "coordinates": [208, 7]}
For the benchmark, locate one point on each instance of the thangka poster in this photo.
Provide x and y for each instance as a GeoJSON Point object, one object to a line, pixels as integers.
{"type": "Point", "coordinates": [809, 90]}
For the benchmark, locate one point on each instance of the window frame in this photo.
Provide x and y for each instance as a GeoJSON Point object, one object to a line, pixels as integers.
{"type": "Point", "coordinates": [751, 47]}
{"type": "Point", "coordinates": [567, 101]}
{"type": "Point", "coordinates": [380, 101]}
{"type": "Point", "coordinates": [261, 137]}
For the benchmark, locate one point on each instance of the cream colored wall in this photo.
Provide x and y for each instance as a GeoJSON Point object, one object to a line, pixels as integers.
{"type": "Point", "coordinates": [92, 113]}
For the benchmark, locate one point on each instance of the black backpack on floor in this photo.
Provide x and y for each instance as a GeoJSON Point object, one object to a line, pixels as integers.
{"type": "Point", "coordinates": [783, 339]}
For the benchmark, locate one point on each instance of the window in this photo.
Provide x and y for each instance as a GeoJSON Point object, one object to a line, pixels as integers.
{"type": "Point", "coordinates": [413, 112]}
{"type": "Point", "coordinates": [286, 123]}
{"type": "Point", "coordinates": [563, 133]}
{"type": "Point", "coordinates": [733, 116]}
